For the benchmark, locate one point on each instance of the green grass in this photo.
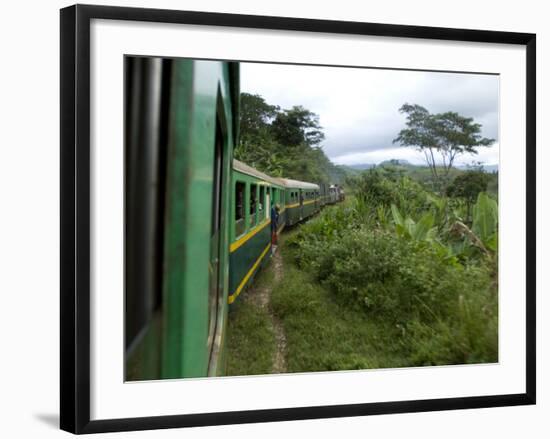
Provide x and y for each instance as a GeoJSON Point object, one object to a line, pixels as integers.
{"type": "Point", "coordinates": [323, 335]}
{"type": "Point", "coordinates": [250, 338]}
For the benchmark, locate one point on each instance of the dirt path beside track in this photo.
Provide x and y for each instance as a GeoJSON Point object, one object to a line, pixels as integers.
{"type": "Point", "coordinates": [261, 297]}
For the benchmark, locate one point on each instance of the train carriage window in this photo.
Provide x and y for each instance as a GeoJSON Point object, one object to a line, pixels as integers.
{"type": "Point", "coordinates": [270, 201]}
{"type": "Point", "coordinates": [146, 109]}
{"type": "Point", "coordinates": [252, 204]}
{"type": "Point", "coordinates": [240, 224]}
{"type": "Point", "coordinates": [261, 203]}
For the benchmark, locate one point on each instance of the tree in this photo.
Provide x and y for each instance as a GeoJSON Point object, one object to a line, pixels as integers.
{"type": "Point", "coordinates": [446, 135]}
{"type": "Point", "coordinates": [284, 143]}
{"type": "Point", "coordinates": [256, 116]}
{"type": "Point", "coordinates": [256, 146]}
{"type": "Point", "coordinates": [297, 126]}
{"type": "Point", "coordinates": [468, 186]}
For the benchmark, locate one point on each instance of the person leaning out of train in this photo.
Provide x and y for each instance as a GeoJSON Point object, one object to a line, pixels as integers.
{"type": "Point", "coordinates": [274, 224]}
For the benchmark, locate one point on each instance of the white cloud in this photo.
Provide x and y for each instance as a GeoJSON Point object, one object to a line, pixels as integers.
{"type": "Point", "coordinates": [358, 107]}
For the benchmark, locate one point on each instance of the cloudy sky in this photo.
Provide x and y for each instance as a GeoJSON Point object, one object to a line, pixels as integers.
{"type": "Point", "coordinates": [358, 107]}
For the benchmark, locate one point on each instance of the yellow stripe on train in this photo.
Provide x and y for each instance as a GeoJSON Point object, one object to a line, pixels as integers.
{"type": "Point", "coordinates": [233, 296]}
{"type": "Point", "coordinates": [289, 206]}
{"type": "Point", "coordinates": [235, 245]}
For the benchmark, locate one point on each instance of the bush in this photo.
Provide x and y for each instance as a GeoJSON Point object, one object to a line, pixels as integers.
{"type": "Point", "coordinates": [373, 188]}
{"type": "Point", "coordinates": [447, 312]}
{"type": "Point", "coordinates": [397, 277]}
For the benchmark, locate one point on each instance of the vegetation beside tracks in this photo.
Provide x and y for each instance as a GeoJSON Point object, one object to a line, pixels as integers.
{"type": "Point", "coordinates": [250, 337]}
{"type": "Point", "coordinates": [395, 276]}
{"type": "Point", "coordinates": [404, 273]}
{"type": "Point", "coordinates": [411, 260]}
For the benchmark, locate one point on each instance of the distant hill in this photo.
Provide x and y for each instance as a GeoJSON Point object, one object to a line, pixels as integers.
{"type": "Point", "coordinates": [407, 164]}
{"type": "Point", "coordinates": [418, 172]}
{"type": "Point", "coordinates": [396, 162]}
{"type": "Point", "coordinates": [361, 166]}
{"type": "Point", "coordinates": [487, 168]}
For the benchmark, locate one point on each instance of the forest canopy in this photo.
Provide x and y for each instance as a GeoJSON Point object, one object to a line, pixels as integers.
{"type": "Point", "coordinates": [284, 142]}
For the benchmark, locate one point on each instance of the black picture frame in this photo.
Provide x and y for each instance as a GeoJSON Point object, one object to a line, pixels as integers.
{"type": "Point", "coordinates": [75, 217]}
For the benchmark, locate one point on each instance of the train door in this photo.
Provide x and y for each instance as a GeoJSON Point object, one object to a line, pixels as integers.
{"type": "Point", "coordinates": [301, 208]}
{"type": "Point", "coordinates": [268, 203]}
{"type": "Point", "coordinates": [215, 286]}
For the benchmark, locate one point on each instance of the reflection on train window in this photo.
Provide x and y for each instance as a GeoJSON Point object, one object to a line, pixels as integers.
{"type": "Point", "coordinates": [145, 149]}
{"type": "Point", "coordinates": [261, 203]}
{"type": "Point", "coordinates": [215, 292]}
{"type": "Point", "coordinates": [240, 225]}
{"type": "Point", "coordinates": [252, 204]}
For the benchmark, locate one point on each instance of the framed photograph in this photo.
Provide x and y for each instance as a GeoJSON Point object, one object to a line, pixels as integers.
{"type": "Point", "coordinates": [274, 218]}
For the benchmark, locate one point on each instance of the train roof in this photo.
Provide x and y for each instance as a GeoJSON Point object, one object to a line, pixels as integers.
{"type": "Point", "coordinates": [298, 184]}
{"type": "Point", "coordinates": [249, 170]}
{"type": "Point", "coordinates": [286, 182]}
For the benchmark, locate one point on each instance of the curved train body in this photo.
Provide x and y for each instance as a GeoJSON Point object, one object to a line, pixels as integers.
{"type": "Point", "coordinates": [253, 194]}
{"type": "Point", "coordinates": [304, 200]}
{"type": "Point", "coordinates": [197, 223]}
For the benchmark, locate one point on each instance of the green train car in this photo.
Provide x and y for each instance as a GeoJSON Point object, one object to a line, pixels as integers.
{"type": "Point", "coordinates": [254, 193]}
{"type": "Point", "coordinates": [303, 200]}
{"type": "Point", "coordinates": [197, 222]}
{"type": "Point", "coordinates": [180, 131]}
{"type": "Point", "coordinates": [324, 193]}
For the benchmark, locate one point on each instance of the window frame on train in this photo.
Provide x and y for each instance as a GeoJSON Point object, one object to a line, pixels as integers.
{"type": "Point", "coordinates": [242, 210]}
